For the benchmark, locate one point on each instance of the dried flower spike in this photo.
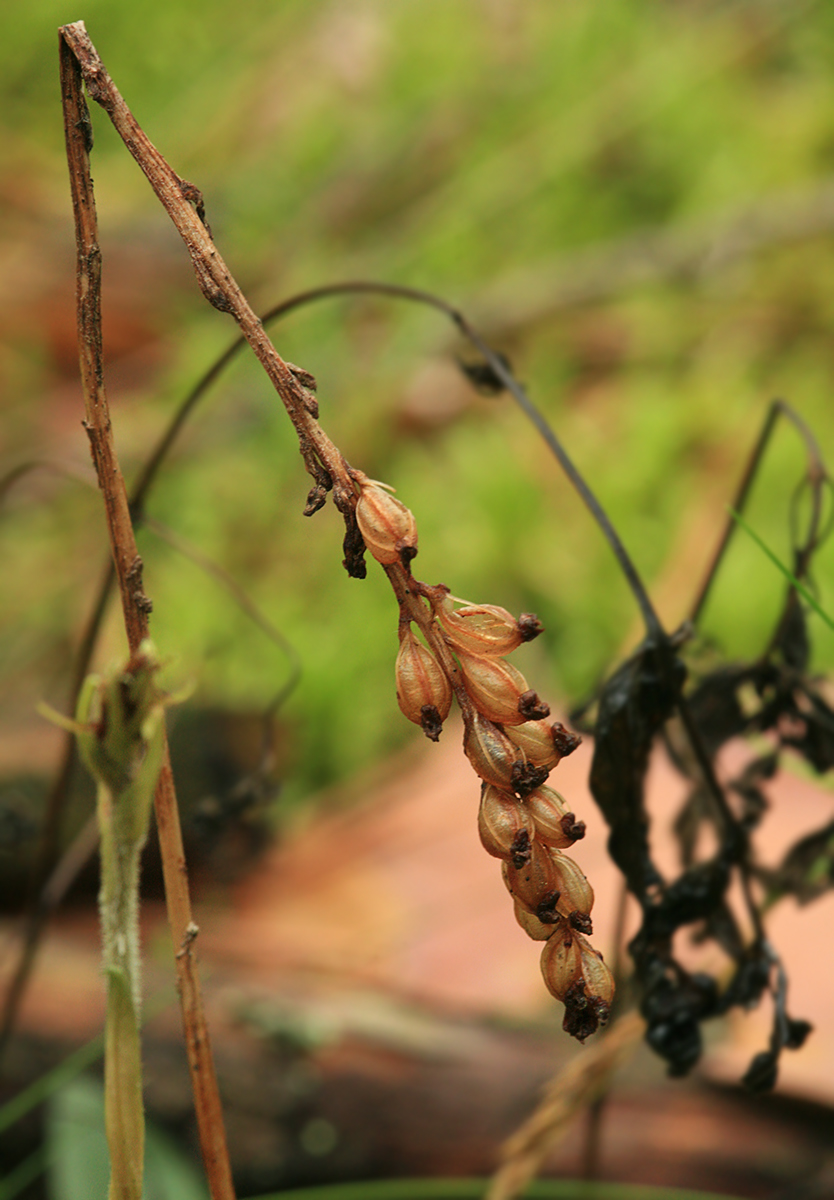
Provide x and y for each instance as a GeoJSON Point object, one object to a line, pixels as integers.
{"type": "Point", "coordinates": [388, 527]}
{"type": "Point", "coordinates": [424, 694]}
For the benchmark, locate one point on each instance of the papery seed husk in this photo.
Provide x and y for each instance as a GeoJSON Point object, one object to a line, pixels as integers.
{"type": "Point", "coordinates": [490, 751]}
{"type": "Point", "coordinates": [388, 527]}
{"type": "Point", "coordinates": [576, 893]}
{"type": "Point", "coordinates": [501, 818]}
{"type": "Point", "coordinates": [484, 629]}
{"type": "Point", "coordinates": [535, 738]}
{"type": "Point", "coordinates": [494, 686]}
{"type": "Point", "coordinates": [561, 961]}
{"type": "Point", "coordinates": [536, 882]}
{"type": "Point", "coordinates": [548, 811]}
{"type": "Point", "coordinates": [421, 681]}
{"type": "Point", "coordinates": [530, 923]}
{"type": "Point", "coordinates": [599, 982]}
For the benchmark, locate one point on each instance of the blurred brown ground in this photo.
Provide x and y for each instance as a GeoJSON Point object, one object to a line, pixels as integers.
{"type": "Point", "coordinates": [375, 953]}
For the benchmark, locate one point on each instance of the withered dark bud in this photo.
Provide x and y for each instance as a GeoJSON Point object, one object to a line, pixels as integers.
{"type": "Point", "coordinates": [564, 741]}
{"type": "Point", "coordinates": [583, 1014]}
{"type": "Point", "coordinates": [504, 825]}
{"type": "Point", "coordinates": [421, 685]}
{"type": "Point", "coordinates": [491, 753]}
{"type": "Point", "coordinates": [494, 686]}
{"type": "Point", "coordinates": [526, 777]}
{"type": "Point", "coordinates": [536, 740]}
{"type": "Point", "coordinates": [554, 825]}
{"type": "Point", "coordinates": [432, 722]}
{"type": "Point", "coordinates": [561, 961]}
{"type": "Point", "coordinates": [483, 629]}
{"type": "Point", "coordinates": [581, 922]}
{"type": "Point", "coordinates": [531, 707]}
{"type": "Point", "coordinates": [547, 910]}
{"type": "Point", "coordinates": [529, 626]}
{"type": "Point", "coordinates": [575, 830]}
{"type": "Point", "coordinates": [388, 527]}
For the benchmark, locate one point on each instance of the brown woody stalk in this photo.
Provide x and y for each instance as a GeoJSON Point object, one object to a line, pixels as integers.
{"type": "Point", "coordinates": [136, 607]}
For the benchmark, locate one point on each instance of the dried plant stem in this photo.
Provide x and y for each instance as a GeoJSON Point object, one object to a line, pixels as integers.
{"type": "Point", "coordinates": [136, 607]}
{"type": "Point", "coordinates": [580, 1083]}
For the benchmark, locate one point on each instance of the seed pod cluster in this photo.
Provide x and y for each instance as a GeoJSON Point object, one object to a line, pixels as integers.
{"type": "Point", "coordinates": [512, 749]}
{"type": "Point", "coordinates": [523, 822]}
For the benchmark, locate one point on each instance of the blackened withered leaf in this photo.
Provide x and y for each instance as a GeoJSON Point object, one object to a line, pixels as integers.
{"type": "Point", "coordinates": [483, 377]}
{"type": "Point", "coordinates": [747, 786]}
{"type": "Point", "coordinates": [693, 895]}
{"type": "Point", "coordinates": [816, 744]}
{"type": "Point", "coordinates": [796, 1032]}
{"type": "Point", "coordinates": [635, 702]}
{"type": "Point", "coordinates": [807, 869]}
{"type": "Point", "coordinates": [760, 1076]}
{"type": "Point", "coordinates": [792, 638]}
{"type": "Point", "coordinates": [687, 826]}
{"type": "Point", "coordinates": [716, 707]}
{"type": "Point", "coordinates": [749, 979]}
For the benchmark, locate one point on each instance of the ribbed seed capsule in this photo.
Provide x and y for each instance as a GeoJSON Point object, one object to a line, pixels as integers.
{"type": "Point", "coordinates": [530, 923]}
{"type": "Point", "coordinates": [491, 752]}
{"type": "Point", "coordinates": [504, 824]}
{"type": "Point", "coordinates": [494, 686]}
{"type": "Point", "coordinates": [554, 824]}
{"type": "Point", "coordinates": [421, 682]}
{"type": "Point", "coordinates": [599, 982]}
{"type": "Point", "coordinates": [576, 896]}
{"type": "Point", "coordinates": [485, 629]}
{"type": "Point", "coordinates": [388, 527]}
{"type": "Point", "coordinates": [535, 883]}
{"type": "Point", "coordinates": [561, 961]}
{"type": "Point", "coordinates": [535, 738]}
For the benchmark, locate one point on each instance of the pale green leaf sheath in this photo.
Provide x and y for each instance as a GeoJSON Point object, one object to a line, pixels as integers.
{"type": "Point", "coordinates": [120, 737]}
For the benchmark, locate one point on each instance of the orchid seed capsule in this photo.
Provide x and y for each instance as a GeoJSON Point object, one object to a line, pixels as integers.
{"type": "Point", "coordinates": [388, 527]}
{"type": "Point", "coordinates": [485, 629]}
{"type": "Point", "coordinates": [494, 686]}
{"type": "Point", "coordinates": [504, 824]}
{"type": "Point", "coordinates": [490, 752]}
{"type": "Point", "coordinates": [576, 896]}
{"type": "Point", "coordinates": [599, 982]}
{"type": "Point", "coordinates": [554, 824]}
{"type": "Point", "coordinates": [535, 883]}
{"type": "Point", "coordinates": [561, 961]}
{"type": "Point", "coordinates": [535, 738]}
{"type": "Point", "coordinates": [421, 683]}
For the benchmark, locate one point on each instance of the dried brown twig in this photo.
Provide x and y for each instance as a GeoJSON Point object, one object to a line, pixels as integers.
{"type": "Point", "coordinates": [136, 608]}
{"type": "Point", "coordinates": [585, 1079]}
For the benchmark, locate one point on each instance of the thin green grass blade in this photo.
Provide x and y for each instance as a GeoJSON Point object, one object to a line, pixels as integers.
{"type": "Point", "coordinates": [800, 587]}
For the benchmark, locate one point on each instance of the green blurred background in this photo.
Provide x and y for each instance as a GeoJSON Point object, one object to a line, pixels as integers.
{"type": "Point", "coordinates": [499, 153]}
